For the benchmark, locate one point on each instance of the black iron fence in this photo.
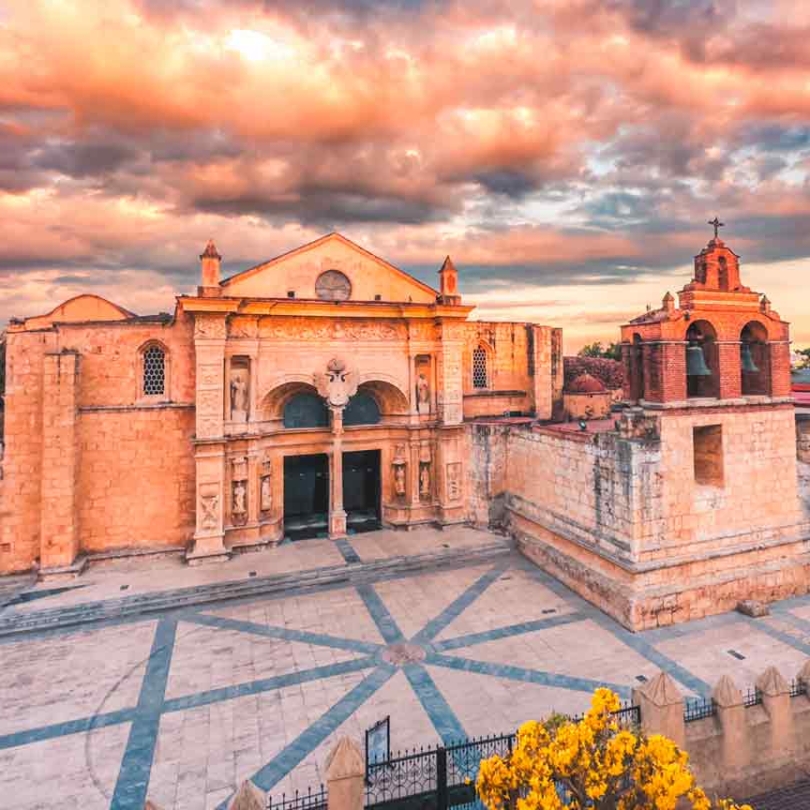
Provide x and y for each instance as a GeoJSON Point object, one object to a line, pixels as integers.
{"type": "Point", "coordinates": [311, 800]}
{"type": "Point", "coordinates": [443, 777]}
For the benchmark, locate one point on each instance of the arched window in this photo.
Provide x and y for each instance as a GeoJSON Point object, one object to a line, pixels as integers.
{"type": "Point", "coordinates": [361, 410]}
{"type": "Point", "coordinates": [755, 358]}
{"type": "Point", "coordinates": [722, 273]}
{"type": "Point", "coordinates": [702, 361]}
{"type": "Point", "coordinates": [480, 369]}
{"type": "Point", "coordinates": [305, 411]}
{"type": "Point", "coordinates": [153, 379]}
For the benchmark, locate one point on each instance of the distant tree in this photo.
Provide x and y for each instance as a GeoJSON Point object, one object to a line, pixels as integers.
{"type": "Point", "coordinates": [613, 351]}
{"type": "Point", "coordinates": [804, 358]}
{"type": "Point", "coordinates": [609, 372]}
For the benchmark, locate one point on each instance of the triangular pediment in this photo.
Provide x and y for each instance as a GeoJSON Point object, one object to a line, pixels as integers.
{"type": "Point", "coordinates": [356, 275]}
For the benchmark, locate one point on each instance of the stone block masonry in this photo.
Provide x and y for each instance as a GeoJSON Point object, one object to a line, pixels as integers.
{"type": "Point", "coordinates": [622, 519]}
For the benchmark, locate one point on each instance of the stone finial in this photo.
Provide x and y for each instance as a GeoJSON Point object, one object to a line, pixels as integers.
{"type": "Point", "coordinates": [248, 797]}
{"type": "Point", "coordinates": [803, 674]}
{"type": "Point", "coordinates": [725, 693]}
{"type": "Point", "coordinates": [210, 251]}
{"type": "Point", "coordinates": [669, 302]}
{"type": "Point", "coordinates": [448, 283]}
{"type": "Point", "coordinates": [661, 690]}
{"type": "Point", "coordinates": [771, 683]}
{"type": "Point", "coordinates": [210, 260]}
{"type": "Point", "coordinates": [345, 761]}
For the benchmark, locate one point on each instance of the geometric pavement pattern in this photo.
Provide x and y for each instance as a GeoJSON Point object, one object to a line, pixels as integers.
{"type": "Point", "coordinates": [448, 641]}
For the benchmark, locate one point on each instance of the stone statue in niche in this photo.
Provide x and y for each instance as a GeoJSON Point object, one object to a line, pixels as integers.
{"type": "Point", "coordinates": [422, 393]}
{"type": "Point", "coordinates": [209, 504]}
{"type": "Point", "coordinates": [266, 493]}
{"type": "Point", "coordinates": [399, 480]}
{"type": "Point", "coordinates": [239, 395]}
{"type": "Point", "coordinates": [338, 384]}
{"type": "Point", "coordinates": [424, 481]}
{"type": "Point", "coordinates": [239, 499]}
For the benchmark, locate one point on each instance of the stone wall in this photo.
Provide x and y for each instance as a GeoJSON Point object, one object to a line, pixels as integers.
{"type": "Point", "coordinates": [135, 488]}
{"type": "Point", "coordinates": [524, 369]}
{"type": "Point", "coordinates": [618, 515]}
{"type": "Point", "coordinates": [89, 463]}
{"type": "Point", "coordinates": [485, 451]}
{"type": "Point", "coordinates": [738, 750]}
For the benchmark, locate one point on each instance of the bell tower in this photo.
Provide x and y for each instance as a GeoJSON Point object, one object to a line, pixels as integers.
{"type": "Point", "coordinates": [708, 390]}
{"type": "Point", "coordinates": [723, 342]}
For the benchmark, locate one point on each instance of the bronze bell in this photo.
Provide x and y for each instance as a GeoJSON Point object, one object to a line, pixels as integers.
{"type": "Point", "coordinates": [696, 362]}
{"type": "Point", "coordinates": [747, 359]}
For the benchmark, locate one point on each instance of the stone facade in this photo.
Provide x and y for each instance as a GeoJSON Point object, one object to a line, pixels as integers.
{"type": "Point", "coordinates": [129, 434]}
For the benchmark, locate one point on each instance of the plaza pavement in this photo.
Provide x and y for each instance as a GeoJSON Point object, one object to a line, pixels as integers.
{"type": "Point", "coordinates": [184, 704]}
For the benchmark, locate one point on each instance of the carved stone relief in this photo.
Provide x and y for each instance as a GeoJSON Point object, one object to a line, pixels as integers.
{"type": "Point", "coordinates": [209, 506]}
{"type": "Point", "coordinates": [209, 374]}
{"type": "Point", "coordinates": [209, 402]}
{"type": "Point", "coordinates": [454, 481]}
{"type": "Point", "coordinates": [422, 393]}
{"type": "Point", "coordinates": [338, 384]}
{"type": "Point", "coordinates": [322, 329]}
{"type": "Point", "coordinates": [243, 327]}
{"type": "Point", "coordinates": [209, 326]}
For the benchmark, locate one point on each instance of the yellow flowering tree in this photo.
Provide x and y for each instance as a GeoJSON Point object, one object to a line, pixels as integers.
{"type": "Point", "coordinates": [592, 763]}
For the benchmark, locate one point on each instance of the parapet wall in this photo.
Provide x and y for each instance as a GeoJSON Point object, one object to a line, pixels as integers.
{"type": "Point", "coordinates": [738, 745]}
{"type": "Point", "coordinates": [618, 513]}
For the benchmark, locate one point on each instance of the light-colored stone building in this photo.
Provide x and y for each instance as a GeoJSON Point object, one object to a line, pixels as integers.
{"type": "Point", "coordinates": [321, 390]}
{"type": "Point", "coordinates": [327, 391]}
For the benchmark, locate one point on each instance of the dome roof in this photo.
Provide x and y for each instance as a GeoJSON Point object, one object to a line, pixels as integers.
{"type": "Point", "coordinates": [585, 384]}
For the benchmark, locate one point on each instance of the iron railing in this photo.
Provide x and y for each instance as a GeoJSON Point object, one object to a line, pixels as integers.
{"type": "Point", "coordinates": [753, 697]}
{"type": "Point", "coordinates": [311, 800]}
{"type": "Point", "coordinates": [797, 688]}
{"type": "Point", "coordinates": [698, 708]}
{"type": "Point", "coordinates": [443, 777]}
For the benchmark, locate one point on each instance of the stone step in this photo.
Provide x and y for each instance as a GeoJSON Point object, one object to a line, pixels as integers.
{"type": "Point", "coordinates": [12, 623]}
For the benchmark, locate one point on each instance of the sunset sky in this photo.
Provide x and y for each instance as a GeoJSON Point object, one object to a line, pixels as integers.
{"type": "Point", "coordinates": [565, 153]}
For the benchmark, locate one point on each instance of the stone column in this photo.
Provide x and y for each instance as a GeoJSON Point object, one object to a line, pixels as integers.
{"type": "Point", "coordinates": [734, 749]}
{"type": "Point", "coordinates": [345, 773]}
{"type": "Point", "coordinates": [337, 515]}
{"type": "Point", "coordinates": [780, 368]}
{"type": "Point", "coordinates": [60, 464]}
{"type": "Point", "coordinates": [661, 705]}
{"type": "Point", "coordinates": [450, 394]}
{"type": "Point", "coordinates": [209, 348]}
{"type": "Point", "coordinates": [776, 700]}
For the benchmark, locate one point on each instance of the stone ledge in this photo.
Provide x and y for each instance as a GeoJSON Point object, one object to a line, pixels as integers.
{"type": "Point", "coordinates": [156, 406]}
{"type": "Point", "coordinates": [15, 624]}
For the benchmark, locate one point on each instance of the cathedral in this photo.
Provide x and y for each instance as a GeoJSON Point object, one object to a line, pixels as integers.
{"type": "Point", "coordinates": [326, 391]}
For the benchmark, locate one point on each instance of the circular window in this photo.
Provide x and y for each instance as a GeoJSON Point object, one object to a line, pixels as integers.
{"type": "Point", "coordinates": [333, 286]}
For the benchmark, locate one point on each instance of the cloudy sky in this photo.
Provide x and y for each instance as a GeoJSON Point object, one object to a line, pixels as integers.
{"type": "Point", "coordinates": [566, 153]}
